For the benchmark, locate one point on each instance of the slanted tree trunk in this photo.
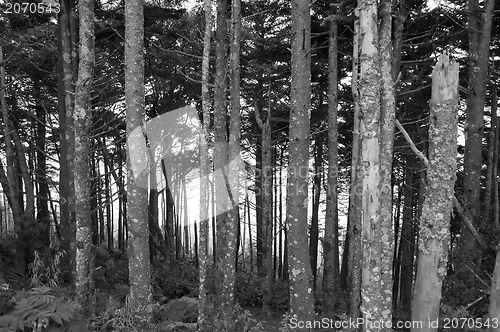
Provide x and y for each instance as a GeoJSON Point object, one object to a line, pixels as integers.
{"type": "Point", "coordinates": [169, 222]}
{"type": "Point", "coordinates": [83, 121]}
{"type": "Point", "coordinates": [140, 295]}
{"type": "Point", "coordinates": [301, 290]}
{"type": "Point", "coordinates": [435, 219]}
{"type": "Point", "coordinates": [7, 177]}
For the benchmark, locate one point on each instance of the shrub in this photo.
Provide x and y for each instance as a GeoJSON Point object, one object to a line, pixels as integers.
{"type": "Point", "coordinates": [243, 321]}
{"type": "Point", "coordinates": [248, 289]}
{"type": "Point", "coordinates": [38, 309]}
{"type": "Point", "coordinates": [175, 280]}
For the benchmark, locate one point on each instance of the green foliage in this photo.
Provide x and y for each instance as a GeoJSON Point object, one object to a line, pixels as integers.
{"type": "Point", "coordinates": [41, 310]}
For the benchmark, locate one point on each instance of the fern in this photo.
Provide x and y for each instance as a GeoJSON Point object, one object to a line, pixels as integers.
{"type": "Point", "coordinates": [39, 309]}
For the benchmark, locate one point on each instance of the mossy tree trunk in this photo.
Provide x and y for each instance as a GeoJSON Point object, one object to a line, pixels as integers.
{"type": "Point", "coordinates": [225, 194]}
{"type": "Point", "coordinates": [82, 117]}
{"type": "Point", "coordinates": [137, 195]}
{"type": "Point", "coordinates": [301, 290]}
{"type": "Point", "coordinates": [204, 170]}
{"type": "Point", "coordinates": [369, 102]}
{"type": "Point", "coordinates": [441, 174]}
{"type": "Point", "coordinates": [65, 94]}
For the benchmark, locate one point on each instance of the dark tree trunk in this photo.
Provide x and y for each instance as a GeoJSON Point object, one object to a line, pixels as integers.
{"type": "Point", "coordinates": [316, 193]}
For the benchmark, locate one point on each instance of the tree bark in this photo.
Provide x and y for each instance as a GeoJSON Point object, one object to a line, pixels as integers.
{"type": "Point", "coordinates": [225, 216]}
{"type": "Point", "coordinates": [66, 77]}
{"type": "Point", "coordinates": [496, 223]}
{"type": "Point", "coordinates": [7, 178]}
{"type": "Point", "coordinates": [351, 258]}
{"type": "Point", "coordinates": [42, 197]}
{"type": "Point", "coordinates": [331, 275]}
{"type": "Point", "coordinates": [494, 309]}
{"type": "Point", "coordinates": [492, 161]}
{"type": "Point", "coordinates": [479, 26]}
{"type": "Point", "coordinates": [140, 294]}
{"type": "Point", "coordinates": [204, 170]}
{"type": "Point", "coordinates": [435, 219]}
{"type": "Point", "coordinates": [384, 231]}
{"type": "Point", "coordinates": [407, 244]}
{"type": "Point", "coordinates": [372, 300]}
{"type": "Point", "coordinates": [264, 124]}
{"type": "Point", "coordinates": [301, 291]}
{"type": "Point", "coordinates": [316, 196]}
{"type": "Point", "coordinates": [82, 118]}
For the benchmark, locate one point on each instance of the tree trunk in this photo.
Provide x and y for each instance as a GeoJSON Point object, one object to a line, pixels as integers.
{"type": "Point", "coordinates": [316, 196]}
{"type": "Point", "coordinates": [384, 231]}
{"type": "Point", "coordinates": [204, 171]}
{"type": "Point", "coordinates": [494, 309]}
{"type": "Point", "coordinates": [407, 244]}
{"type": "Point", "coordinates": [7, 178]}
{"type": "Point", "coordinates": [235, 119]}
{"type": "Point", "coordinates": [331, 275]}
{"type": "Point", "coordinates": [65, 88]}
{"type": "Point", "coordinates": [352, 253]}
{"type": "Point", "coordinates": [281, 267]}
{"type": "Point", "coordinates": [223, 179]}
{"type": "Point", "coordinates": [169, 222]}
{"type": "Point", "coordinates": [259, 170]}
{"type": "Point", "coordinates": [140, 295]}
{"type": "Point", "coordinates": [83, 123]}
{"type": "Point", "coordinates": [301, 291]}
{"type": "Point", "coordinates": [42, 198]}
{"type": "Point", "coordinates": [435, 219]}
{"type": "Point", "coordinates": [264, 124]}
{"type": "Point", "coordinates": [491, 167]}
{"type": "Point", "coordinates": [372, 300]}
{"type": "Point", "coordinates": [494, 101]}
{"type": "Point", "coordinates": [479, 25]}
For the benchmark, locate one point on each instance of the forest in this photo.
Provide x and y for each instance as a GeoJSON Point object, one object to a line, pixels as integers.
{"type": "Point", "coordinates": [261, 165]}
